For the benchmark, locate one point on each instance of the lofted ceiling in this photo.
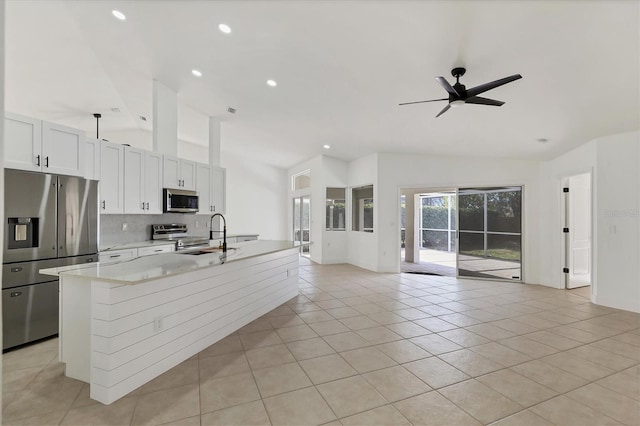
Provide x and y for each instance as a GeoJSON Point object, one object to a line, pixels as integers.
{"type": "Point", "coordinates": [342, 67]}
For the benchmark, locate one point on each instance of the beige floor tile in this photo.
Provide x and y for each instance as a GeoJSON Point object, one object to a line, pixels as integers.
{"type": "Point", "coordinates": [346, 341]}
{"type": "Point", "coordinates": [435, 344]}
{"type": "Point", "coordinates": [527, 346]}
{"type": "Point", "coordinates": [46, 419]}
{"type": "Point", "coordinates": [461, 320]}
{"type": "Point", "coordinates": [251, 413]}
{"type": "Point", "coordinates": [396, 383]}
{"type": "Point", "coordinates": [326, 368]}
{"type": "Point", "coordinates": [434, 410]}
{"type": "Point", "coordinates": [516, 387]}
{"type": "Point", "coordinates": [403, 351]}
{"type": "Point", "coordinates": [41, 397]}
{"type": "Point", "coordinates": [350, 396]}
{"type": "Point", "coordinates": [565, 411]}
{"type": "Point", "coordinates": [490, 332]}
{"type": "Point", "coordinates": [603, 357]}
{"type": "Point", "coordinates": [500, 354]}
{"type": "Point", "coordinates": [118, 413]}
{"type": "Point", "coordinates": [523, 418]}
{"type": "Point", "coordinates": [344, 312]}
{"type": "Point", "coordinates": [260, 324]}
{"type": "Point", "coordinates": [464, 337]}
{"type": "Point", "coordinates": [369, 308]}
{"type": "Point", "coordinates": [223, 365]}
{"type": "Point", "coordinates": [407, 329]}
{"type": "Point", "coordinates": [550, 376]}
{"type": "Point", "coordinates": [296, 332]}
{"type": "Point", "coordinates": [315, 316]}
{"type": "Point", "coordinates": [326, 328]}
{"type": "Point", "coordinates": [227, 345]}
{"type": "Point", "coordinates": [435, 372]}
{"type": "Point", "coordinates": [330, 303]}
{"type": "Point", "coordinates": [623, 383]}
{"type": "Point", "coordinates": [411, 314]}
{"type": "Point", "coordinates": [359, 322]}
{"type": "Point", "coordinates": [470, 362]}
{"type": "Point", "coordinates": [165, 405]}
{"type": "Point", "coordinates": [580, 367]}
{"type": "Point", "coordinates": [480, 401]}
{"type": "Point", "coordinates": [435, 324]}
{"type": "Point", "coordinates": [182, 374]}
{"type": "Point", "coordinates": [269, 356]}
{"type": "Point", "coordinates": [386, 318]}
{"type": "Point", "coordinates": [624, 349]}
{"type": "Point", "coordinates": [386, 415]}
{"type": "Point", "coordinates": [310, 348]}
{"type": "Point", "coordinates": [216, 394]}
{"type": "Point", "coordinates": [301, 407]}
{"type": "Point", "coordinates": [367, 359]}
{"type": "Point", "coordinates": [280, 310]}
{"type": "Point", "coordinates": [189, 421]}
{"type": "Point", "coordinates": [260, 339]}
{"type": "Point", "coordinates": [285, 321]}
{"type": "Point", "coordinates": [84, 398]}
{"type": "Point", "coordinates": [16, 380]}
{"type": "Point", "coordinates": [617, 406]}
{"type": "Point", "coordinates": [279, 379]}
{"type": "Point", "coordinates": [378, 335]}
{"type": "Point", "coordinates": [561, 343]}
{"type": "Point", "coordinates": [631, 338]}
{"type": "Point", "coordinates": [515, 327]}
{"type": "Point", "coordinates": [574, 334]}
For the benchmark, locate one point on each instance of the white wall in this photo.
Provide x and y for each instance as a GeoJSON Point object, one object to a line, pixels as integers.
{"type": "Point", "coordinates": [405, 171]}
{"type": "Point", "coordinates": [1, 162]}
{"type": "Point", "coordinates": [334, 243]}
{"type": "Point", "coordinates": [256, 197]}
{"type": "Point", "coordinates": [363, 246]}
{"type": "Point", "coordinates": [618, 222]}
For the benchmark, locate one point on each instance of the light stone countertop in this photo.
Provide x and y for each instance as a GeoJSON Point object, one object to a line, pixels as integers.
{"type": "Point", "coordinates": [146, 268]}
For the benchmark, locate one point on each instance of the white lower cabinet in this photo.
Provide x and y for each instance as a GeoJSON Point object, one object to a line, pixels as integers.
{"type": "Point", "coordinates": [147, 251]}
{"type": "Point", "coordinates": [117, 255]}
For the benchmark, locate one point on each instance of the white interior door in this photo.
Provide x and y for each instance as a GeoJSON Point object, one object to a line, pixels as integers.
{"type": "Point", "coordinates": [579, 237]}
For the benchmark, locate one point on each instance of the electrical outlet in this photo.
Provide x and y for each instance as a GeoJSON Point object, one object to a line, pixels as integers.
{"type": "Point", "coordinates": [158, 324]}
{"type": "Point", "coordinates": [125, 226]}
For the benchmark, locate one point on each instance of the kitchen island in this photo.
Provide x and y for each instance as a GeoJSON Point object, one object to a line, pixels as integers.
{"type": "Point", "coordinates": [124, 323]}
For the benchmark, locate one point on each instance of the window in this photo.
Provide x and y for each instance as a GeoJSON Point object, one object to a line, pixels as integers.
{"type": "Point", "coordinates": [301, 180]}
{"type": "Point", "coordinates": [335, 209]}
{"type": "Point", "coordinates": [362, 209]}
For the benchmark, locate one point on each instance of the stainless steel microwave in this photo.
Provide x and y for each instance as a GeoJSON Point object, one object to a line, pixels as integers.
{"type": "Point", "coordinates": [180, 201]}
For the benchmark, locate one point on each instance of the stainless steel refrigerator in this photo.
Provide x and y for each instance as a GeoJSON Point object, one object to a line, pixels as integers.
{"type": "Point", "coordinates": [50, 221]}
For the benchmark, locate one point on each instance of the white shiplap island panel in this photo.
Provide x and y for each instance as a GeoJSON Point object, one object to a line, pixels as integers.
{"type": "Point", "coordinates": [130, 333]}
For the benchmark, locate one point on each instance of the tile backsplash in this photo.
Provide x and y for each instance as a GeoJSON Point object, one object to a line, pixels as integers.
{"type": "Point", "coordinates": [138, 227]}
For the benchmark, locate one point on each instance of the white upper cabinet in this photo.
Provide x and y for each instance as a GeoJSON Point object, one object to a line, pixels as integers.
{"type": "Point", "coordinates": [111, 178]}
{"type": "Point", "coordinates": [203, 188]}
{"type": "Point", "coordinates": [23, 142]}
{"type": "Point", "coordinates": [63, 150]}
{"type": "Point", "coordinates": [178, 173]}
{"type": "Point", "coordinates": [92, 159]}
{"type": "Point", "coordinates": [142, 180]}
{"type": "Point", "coordinates": [219, 189]}
{"type": "Point", "coordinates": [40, 146]}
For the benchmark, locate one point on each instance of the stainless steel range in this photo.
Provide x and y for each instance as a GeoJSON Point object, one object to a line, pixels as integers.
{"type": "Point", "coordinates": [177, 232]}
{"type": "Point", "coordinates": [50, 221]}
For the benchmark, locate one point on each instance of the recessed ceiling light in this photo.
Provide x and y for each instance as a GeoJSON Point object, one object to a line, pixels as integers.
{"type": "Point", "coordinates": [224, 28]}
{"type": "Point", "coordinates": [272, 83]}
{"type": "Point", "coordinates": [326, 146]}
{"type": "Point", "coordinates": [121, 16]}
{"type": "Point", "coordinates": [197, 73]}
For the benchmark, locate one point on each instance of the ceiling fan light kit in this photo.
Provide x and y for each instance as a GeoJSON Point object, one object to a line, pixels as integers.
{"type": "Point", "coordinates": [459, 95]}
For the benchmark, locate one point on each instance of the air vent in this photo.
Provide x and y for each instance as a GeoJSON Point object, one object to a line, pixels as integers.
{"type": "Point", "coordinates": [116, 110]}
{"type": "Point", "coordinates": [143, 118]}
{"type": "Point", "coordinates": [231, 110]}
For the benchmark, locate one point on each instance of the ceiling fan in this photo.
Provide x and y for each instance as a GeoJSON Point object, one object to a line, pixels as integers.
{"type": "Point", "coordinates": [459, 95]}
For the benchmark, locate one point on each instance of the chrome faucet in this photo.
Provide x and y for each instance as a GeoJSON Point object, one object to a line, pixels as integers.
{"type": "Point", "coordinates": [224, 230]}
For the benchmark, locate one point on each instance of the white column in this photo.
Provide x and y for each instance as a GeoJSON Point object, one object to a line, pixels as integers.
{"type": "Point", "coordinates": [409, 221]}
{"type": "Point", "coordinates": [165, 120]}
{"type": "Point", "coordinates": [214, 141]}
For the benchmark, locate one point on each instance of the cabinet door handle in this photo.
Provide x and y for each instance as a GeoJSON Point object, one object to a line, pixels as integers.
{"type": "Point", "coordinates": [46, 161]}
{"type": "Point", "coordinates": [158, 250]}
{"type": "Point", "coordinates": [143, 205]}
{"type": "Point", "coordinates": [104, 204]}
{"type": "Point", "coordinates": [38, 160]}
{"type": "Point", "coordinates": [147, 206]}
{"type": "Point", "coordinates": [114, 256]}
{"type": "Point", "coordinates": [214, 209]}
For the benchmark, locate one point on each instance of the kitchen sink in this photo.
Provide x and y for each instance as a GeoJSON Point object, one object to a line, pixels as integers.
{"type": "Point", "coordinates": [208, 250]}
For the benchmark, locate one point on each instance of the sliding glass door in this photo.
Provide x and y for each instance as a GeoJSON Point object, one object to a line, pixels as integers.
{"type": "Point", "coordinates": [490, 232]}
{"type": "Point", "coordinates": [302, 223]}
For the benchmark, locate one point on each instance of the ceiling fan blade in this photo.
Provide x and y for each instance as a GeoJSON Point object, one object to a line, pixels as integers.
{"type": "Point", "coordinates": [483, 101]}
{"type": "Point", "coordinates": [445, 109]}
{"type": "Point", "coordinates": [420, 102]}
{"type": "Point", "coordinates": [492, 85]}
{"type": "Point", "coordinates": [449, 88]}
